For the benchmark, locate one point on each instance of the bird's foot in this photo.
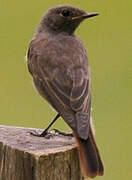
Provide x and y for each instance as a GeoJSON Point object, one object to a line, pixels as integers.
{"type": "Point", "coordinates": [63, 133]}
{"type": "Point", "coordinates": [45, 134]}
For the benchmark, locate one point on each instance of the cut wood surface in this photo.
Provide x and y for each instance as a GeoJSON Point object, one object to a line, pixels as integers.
{"type": "Point", "coordinates": [26, 157]}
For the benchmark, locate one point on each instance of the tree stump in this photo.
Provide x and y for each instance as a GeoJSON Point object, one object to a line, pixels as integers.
{"type": "Point", "coordinates": [26, 157]}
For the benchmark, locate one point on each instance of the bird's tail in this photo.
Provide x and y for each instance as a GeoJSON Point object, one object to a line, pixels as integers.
{"type": "Point", "coordinates": [90, 159]}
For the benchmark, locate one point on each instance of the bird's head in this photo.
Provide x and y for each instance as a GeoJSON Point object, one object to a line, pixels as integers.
{"type": "Point", "coordinates": [64, 18]}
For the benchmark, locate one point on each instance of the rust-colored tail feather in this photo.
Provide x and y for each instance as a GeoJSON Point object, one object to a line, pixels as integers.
{"type": "Point", "coordinates": [90, 160]}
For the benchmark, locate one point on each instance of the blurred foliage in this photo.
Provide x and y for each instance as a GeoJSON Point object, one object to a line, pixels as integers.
{"type": "Point", "coordinates": [108, 39]}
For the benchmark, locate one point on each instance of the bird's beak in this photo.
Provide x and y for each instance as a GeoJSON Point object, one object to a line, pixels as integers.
{"type": "Point", "coordinates": [87, 15]}
{"type": "Point", "coordinates": [91, 14]}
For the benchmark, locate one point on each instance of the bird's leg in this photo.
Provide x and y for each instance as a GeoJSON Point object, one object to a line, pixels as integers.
{"type": "Point", "coordinates": [45, 132]}
{"type": "Point", "coordinates": [63, 133]}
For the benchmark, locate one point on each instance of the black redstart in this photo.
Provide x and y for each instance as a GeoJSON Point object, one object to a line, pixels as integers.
{"type": "Point", "coordinates": [58, 63]}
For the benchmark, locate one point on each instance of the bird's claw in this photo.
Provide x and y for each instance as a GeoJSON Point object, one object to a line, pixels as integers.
{"type": "Point", "coordinates": [45, 134]}
{"type": "Point", "coordinates": [63, 133]}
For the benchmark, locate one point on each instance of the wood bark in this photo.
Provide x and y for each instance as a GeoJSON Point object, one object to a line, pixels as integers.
{"type": "Point", "coordinates": [26, 157]}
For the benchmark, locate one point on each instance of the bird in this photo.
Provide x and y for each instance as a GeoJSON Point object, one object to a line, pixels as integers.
{"type": "Point", "coordinates": [59, 65]}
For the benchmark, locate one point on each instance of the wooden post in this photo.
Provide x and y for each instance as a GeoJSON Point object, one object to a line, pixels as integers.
{"type": "Point", "coordinates": [26, 157]}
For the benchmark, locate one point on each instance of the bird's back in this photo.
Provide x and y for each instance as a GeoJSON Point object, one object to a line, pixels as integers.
{"type": "Point", "coordinates": [59, 49]}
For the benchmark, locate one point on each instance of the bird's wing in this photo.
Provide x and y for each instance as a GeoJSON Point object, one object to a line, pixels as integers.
{"type": "Point", "coordinates": [80, 100]}
{"type": "Point", "coordinates": [80, 90]}
{"type": "Point", "coordinates": [52, 77]}
{"type": "Point", "coordinates": [69, 87]}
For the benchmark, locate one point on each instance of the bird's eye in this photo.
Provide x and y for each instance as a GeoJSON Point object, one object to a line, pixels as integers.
{"type": "Point", "coordinates": [65, 13]}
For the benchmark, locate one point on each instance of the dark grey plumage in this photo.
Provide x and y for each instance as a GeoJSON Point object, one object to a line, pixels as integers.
{"type": "Point", "coordinates": [58, 62]}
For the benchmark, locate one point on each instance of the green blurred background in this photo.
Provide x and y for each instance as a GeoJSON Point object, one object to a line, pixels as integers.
{"type": "Point", "coordinates": [108, 39]}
